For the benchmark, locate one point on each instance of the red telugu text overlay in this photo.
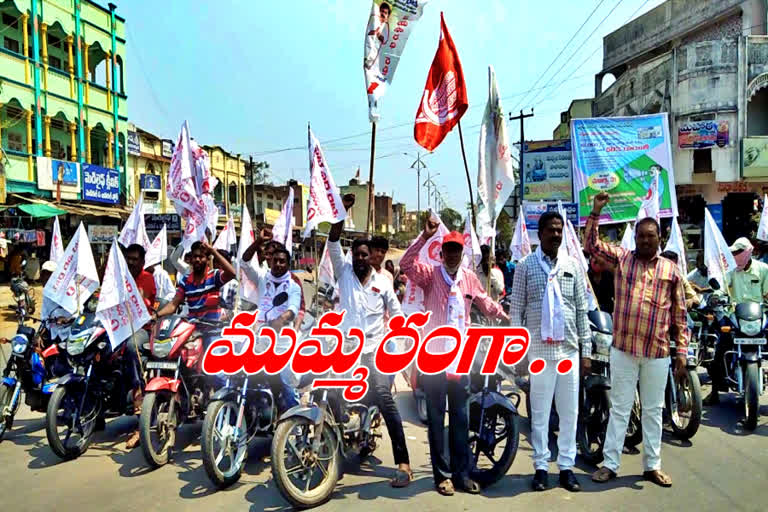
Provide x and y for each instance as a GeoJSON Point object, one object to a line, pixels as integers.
{"type": "Point", "coordinates": [507, 344]}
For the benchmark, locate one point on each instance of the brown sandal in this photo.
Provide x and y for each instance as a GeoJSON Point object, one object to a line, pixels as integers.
{"type": "Point", "coordinates": [402, 479]}
{"type": "Point", "coordinates": [658, 477]}
{"type": "Point", "coordinates": [603, 475]}
{"type": "Point", "coordinates": [446, 488]}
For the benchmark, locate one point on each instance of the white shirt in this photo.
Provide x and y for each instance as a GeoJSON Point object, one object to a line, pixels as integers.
{"type": "Point", "coordinates": [267, 291]}
{"type": "Point", "coordinates": [365, 304]}
{"type": "Point", "coordinates": [163, 284]}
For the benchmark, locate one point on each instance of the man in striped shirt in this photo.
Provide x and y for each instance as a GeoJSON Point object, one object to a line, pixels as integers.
{"type": "Point", "coordinates": [649, 309]}
{"type": "Point", "coordinates": [449, 292]}
{"type": "Point", "coordinates": [201, 289]}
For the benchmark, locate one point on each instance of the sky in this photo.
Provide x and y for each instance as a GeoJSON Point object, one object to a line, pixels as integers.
{"type": "Point", "coordinates": [249, 76]}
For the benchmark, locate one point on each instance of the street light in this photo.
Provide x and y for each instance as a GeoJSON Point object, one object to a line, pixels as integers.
{"type": "Point", "coordinates": [418, 165]}
{"type": "Point", "coordinates": [430, 184]}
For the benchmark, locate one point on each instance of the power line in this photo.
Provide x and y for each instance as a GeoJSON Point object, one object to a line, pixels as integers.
{"type": "Point", "coordinates": [561, 51]}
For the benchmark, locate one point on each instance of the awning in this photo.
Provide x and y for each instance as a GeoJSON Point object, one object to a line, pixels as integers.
{"type": "Point", "coordinates": [81, 209]}
{"type": "Point", "coordinates": [42, 211]}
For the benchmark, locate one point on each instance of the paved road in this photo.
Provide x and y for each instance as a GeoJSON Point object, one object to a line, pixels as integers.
{"type": "Point", "coordinates": [723, 468]}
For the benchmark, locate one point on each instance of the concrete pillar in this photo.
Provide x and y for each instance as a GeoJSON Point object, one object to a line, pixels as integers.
{"type": "Point", "coordinates": [25, 30]}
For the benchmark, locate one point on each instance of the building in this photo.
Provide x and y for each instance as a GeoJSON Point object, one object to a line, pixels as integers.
{"type": "Point", "coordinates": [359, 211]}
{"type": "Point", "coordinates": [411, 222]}
{"type": "Point", "coordinates": [578, 109]}
{"type": "Point", "coordinates": [63, 104]}
{"type": "Point", "coordinates": [229, 194]}
{"type": "Point", "coordinates": [706, 63]}
{"type": "Point", "coordinates": [398, 217]}
{"type": "Point", "coordinates": [383, 214]}
{"type": "Point", "coordinates": [149, 160]}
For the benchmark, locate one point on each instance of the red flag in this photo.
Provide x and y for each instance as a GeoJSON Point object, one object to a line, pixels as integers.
{"type": "Point", "coordinates": [445, 94]}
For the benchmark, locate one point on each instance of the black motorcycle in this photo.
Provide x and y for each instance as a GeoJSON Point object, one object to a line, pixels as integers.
{"type": "Point", "coordinates": [494, 434]}
{"type": "Point", "coordinates": [26, 374]}
{"type": "Point", "coordinates": [97, 388]}
{"type": "Point", "coordinates": [23, 295]}
{"type": "Point", "coordinates": [310, 443]}
{"type": "Point", "coordinates": [594, 410]}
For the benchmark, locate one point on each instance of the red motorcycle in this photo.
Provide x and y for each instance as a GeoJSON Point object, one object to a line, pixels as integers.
{"type": "Point", "coordinates": [178, 391]}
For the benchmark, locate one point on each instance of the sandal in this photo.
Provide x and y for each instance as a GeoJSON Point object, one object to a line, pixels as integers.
{"type": "Point", "coordinates": [603, 475]}
{"type": "Point", "coordinates": [402, 479]}
{"type": "Point", "coordinates": [658, 477]}
{"type": "Point", "coordinates": [469, 486]}
{"type": "Point", "coordinates": [446, 488]}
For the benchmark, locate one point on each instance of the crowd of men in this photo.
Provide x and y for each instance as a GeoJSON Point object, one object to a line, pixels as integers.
{"type": "Point", "coordinates": [547, 292]}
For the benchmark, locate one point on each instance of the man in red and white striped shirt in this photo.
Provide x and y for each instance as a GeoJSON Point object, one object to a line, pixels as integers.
{"type": "Point", "coordinates": [649, 309]}
{"type": "Point", "coordinates": [447, 288]}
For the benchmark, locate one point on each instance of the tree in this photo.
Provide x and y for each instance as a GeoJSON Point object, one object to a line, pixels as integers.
{"type": "Point", "coordinates": [503, 230]}
{"type": "Point", "coordinates": [257, 175]}
{"type": "Point", "coordinates": [452, 219]}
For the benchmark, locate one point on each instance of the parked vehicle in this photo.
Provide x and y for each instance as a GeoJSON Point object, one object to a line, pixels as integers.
{"type": "Point", "coordinates": [96, 389]}
{"type": "Point", "coordinates": [178, 391]}
{"type": "Point", "coordinates": [26, 374]}
{"type": "Point", "coordinates": [23, 295]}
{"type": "Point", "coordinates": [682, 398]}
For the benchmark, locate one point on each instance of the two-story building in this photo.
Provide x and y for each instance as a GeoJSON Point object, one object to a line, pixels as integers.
{"type": "Point", "coordinates": [63, 104]}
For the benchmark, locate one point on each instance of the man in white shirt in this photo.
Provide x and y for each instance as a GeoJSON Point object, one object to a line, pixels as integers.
{"type": "Point", "coordinates": [165, 289]}
{"type": "Point", "coordinates": [279, 301]}
{"type": "Point", "coordinates": [367, 296]}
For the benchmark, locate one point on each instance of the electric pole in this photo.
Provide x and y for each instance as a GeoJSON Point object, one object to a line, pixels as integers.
{"type": "Point", "coordinates": [522, 118]}
{"type": "Point", "coordinates": [418, 165]}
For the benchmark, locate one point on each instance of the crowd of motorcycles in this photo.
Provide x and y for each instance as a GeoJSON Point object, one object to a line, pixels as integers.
{"type": "Point", "coordinates": [79, 381]}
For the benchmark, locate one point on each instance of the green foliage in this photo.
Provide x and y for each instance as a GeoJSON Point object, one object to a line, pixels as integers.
{"type": "Point", "coordinates": [452, 219]}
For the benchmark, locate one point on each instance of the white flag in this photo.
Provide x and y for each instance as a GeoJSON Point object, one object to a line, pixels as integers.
{"type": "Point", "coordinates": [135, 231]}
{"type": "Point", "coordinates": [121, 308]}
{"type": "Point", "coordinates": [676, 244]}
{"type": "Point", "coordinates": [472, 252]}
{"type": "Point", "coordinates": [520, 247]}
{"type": "Point", "coordinates": [389, 26]}
{"type": "Point", "coordinates": [429, 254]}
{"type": "Point", "coordinates": [227, 237]}
{"type": "Point", "coordinates": [57, 244]}
{"type": "Point", "coordinates": [158, 250]}
{"type": "Point", "coordinates": [717, 256]}
{"type": "Point", "coordinates": [762, 229]}
{"type": "Point", "coordinates": [325, 272]}
{"type": "Point", "coordinates": [574, 250]}
{"type": "Point", "coordinates": [248, 289]}
{"type": "Point", "coordinates": [75, 278]}
{"type": "Point", "coordinates": [282, 231]}
{"type": "Point", "coordinates": [495, 174]}
{"type": "Point", "coordinates": [324, 200]}
{"type": "Point", "coordinates": [628, 240]}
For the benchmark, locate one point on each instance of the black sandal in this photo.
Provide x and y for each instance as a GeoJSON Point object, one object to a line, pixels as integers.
{"type": "Point", "coordinates": [402, 479]}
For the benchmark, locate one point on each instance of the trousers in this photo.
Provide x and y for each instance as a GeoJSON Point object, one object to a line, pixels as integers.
{"type": "Point", "coordinates": [437, 388]}
{"type": "Point", "coordinates": [626, 371]}
{"type": "Point", "coordinates": [565, 390]}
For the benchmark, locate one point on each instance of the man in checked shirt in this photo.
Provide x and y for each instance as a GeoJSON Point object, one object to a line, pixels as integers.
{"type": "Point", "coordinates": [549, 297]}
{"type": "Point", "coordinates": [649, 309]}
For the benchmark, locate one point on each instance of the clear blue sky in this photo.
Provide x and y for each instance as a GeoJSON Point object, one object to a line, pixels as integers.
{"type": "Point", "coordinates": [249, 74]}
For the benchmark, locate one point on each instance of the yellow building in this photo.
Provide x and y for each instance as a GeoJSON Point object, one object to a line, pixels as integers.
{"type": "Point", "coordinates": [149, 160]}
{"type": "Point", "coordinates": [229, 195]}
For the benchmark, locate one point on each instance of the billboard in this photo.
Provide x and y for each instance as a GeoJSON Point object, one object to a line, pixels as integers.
{"type": "Point", "coordinates": [702, 134]}
{"type": "Point", "coordinates": [101, 184]}
{"type": "Point", "coordinates": [547, 175]}
{"type": "Point", "coordinates": [755, 158]}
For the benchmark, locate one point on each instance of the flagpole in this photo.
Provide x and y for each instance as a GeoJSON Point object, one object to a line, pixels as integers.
{"type": "Point", "coordinates": [316, 263]}
{"type": "Point", "coordinates": [136, 344]}
{"type": "Point", "coordinates": [369, 223]}
{"type": "Point", "coordinates": [469, 180]}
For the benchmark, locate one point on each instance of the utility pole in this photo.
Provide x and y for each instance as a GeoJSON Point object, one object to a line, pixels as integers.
{"type": "Point", "coordinates": [253, 186]}
{"type": "Point", "coordinates": [418, 165]}
{"type": "Point", "coordinates": [522, 118]}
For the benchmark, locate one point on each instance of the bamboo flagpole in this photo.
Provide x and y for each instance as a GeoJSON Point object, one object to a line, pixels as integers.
{"type": "Point", "coordinates": [469, 180]}
{"type": "Point", "coordinates": [369, 223]}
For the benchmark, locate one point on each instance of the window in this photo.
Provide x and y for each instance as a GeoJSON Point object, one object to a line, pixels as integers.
{"type": "Point", "coordinates": [55, 42]}
{"type": "Point", "coordinates": [15, 142]}
{"type": "Point", "coordinates": [702, 160]}
{"type": "Point", "coordinates": [11, 44]}
{"type": "Point", "coordinates": [150, 169]}
{"type": "Point", "coordinates": [56, 150]}
{"type": "Point", "coordinates": [563, 117]}
{"type": "Point", "coordinates": [9, 20]}
{"type": "Point", "coordinates": [55, 62]}
{"type": "Point", "coordinates": [259, 207]}
{"type": "Point", "coordinates": [270, 206]}
{"type": "Point", "coordinates": [233, 193]}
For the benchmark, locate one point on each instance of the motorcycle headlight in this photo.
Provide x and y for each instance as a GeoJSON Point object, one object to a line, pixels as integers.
{"type": "Point", "coordinates": [75, 346]}
{"type": "Point", "coordinates": [602, 343]}
{"type": "Point", "coordinates": [750, 327]}
{"type": "Point", "coordinates": [161, 348]}
{"type": "Point", "coordinates": [19, 344]}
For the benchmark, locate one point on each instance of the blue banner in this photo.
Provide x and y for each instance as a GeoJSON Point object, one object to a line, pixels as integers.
{"type": "Point", "coordinates": [717, 214]}
{"type": "Point", "coordinates": [150, 182]}
{"type": "Point", "coordinates": [101, 184]}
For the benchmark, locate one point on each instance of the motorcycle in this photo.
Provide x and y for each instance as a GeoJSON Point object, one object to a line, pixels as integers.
{"type": "Point", "coordinates": [95, 390]}
{"type": "Point", "coordinates": [310, 442]}
{"type": "Point", "coordinates": [493, 423]}
{"type": "Point", "coordinates": [23, 295]}
{"type": "Point", "coordinates": [595, 402]}
{"type": "Point", "coordinates": [243, 409]}
{"type": "Point", "coordinates": [26, 373]}
{"type": "Point", "coordinates": [178, 391]}
{"type": "Point", "coordinates": [682, 397]}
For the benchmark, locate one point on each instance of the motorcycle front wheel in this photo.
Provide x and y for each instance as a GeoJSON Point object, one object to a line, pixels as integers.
{"type": "Point", "coordinates": [6, 416]}
{"type": "Point", "coordinates": [157, 430]}
{"type": "Point", "coordinates": [69, 439]}
{"type": "Point", "coordinates": [685, 415]}
{"type": "Point", "coordinates": [224, 448]}
{"type": "Point", "coordinates": [306, 478]}
{"type": "Point", "coordinates": [493, 449]}
{"type": "Point", "coordinates": [751, 395]}
{"type": "Point", "coordinates": [593, 425]}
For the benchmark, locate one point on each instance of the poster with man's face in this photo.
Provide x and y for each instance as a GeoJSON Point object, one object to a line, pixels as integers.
{"type": "Point", "coordinates": [64, 173]}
